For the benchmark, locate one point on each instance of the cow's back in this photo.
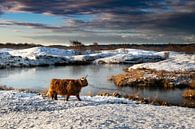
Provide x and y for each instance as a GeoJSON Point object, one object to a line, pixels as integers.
{"type": "Point", "coordinates": [59, 86]}
{"type": "Point", "coordinates": [73, 87]}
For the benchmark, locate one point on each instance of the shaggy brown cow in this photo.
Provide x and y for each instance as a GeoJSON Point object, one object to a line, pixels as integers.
{"type": "Point", "coordinates": [66, 87]}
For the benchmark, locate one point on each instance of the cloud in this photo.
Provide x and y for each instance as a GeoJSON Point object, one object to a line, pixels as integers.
{"type": "Point", "coordinates": [70, 7]}
{"type": "Point", "coordinates": [112, 12]}
{"type": "Point", "coordinates": [25, 24]}
{"type": "Point", "coordinates": [179, 22]}
{"type": "Point", "coordinates": [150, 17]}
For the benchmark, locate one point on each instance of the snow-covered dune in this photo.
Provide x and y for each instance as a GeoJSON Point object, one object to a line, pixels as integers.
{"type": "Point", "coordinates": [175, 62]}
{"type": "Point", "coordinates": [50, 56]}
{"type": "Point", "coordinates": [132, 56]}
{"type": "Point", "coordinates": [33, 57]}
{"type": "Point", "coordinates": [25, 110]}
{"type": "Point", "coordinates": [32, 53]}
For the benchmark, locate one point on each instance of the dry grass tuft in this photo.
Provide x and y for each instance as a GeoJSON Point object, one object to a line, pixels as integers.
{"type": "Point", "coordinates": [6, 88]}
{"type": "Point", "coordinates": [89, 93]}
{"type": "Point", "coordinates": [43, 92]}
{"type": "Point", "coordinates": [189, 93]}
{"type": "Point", "coordinates": [192, 84]}
{"type": "Point", "coordinates": [103, 93]}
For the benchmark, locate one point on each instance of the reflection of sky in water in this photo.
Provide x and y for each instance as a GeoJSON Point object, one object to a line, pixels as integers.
{"type": "Point", "coordinates": [97, 77]}
{"type": "Point", "coordinates": [41, 76]}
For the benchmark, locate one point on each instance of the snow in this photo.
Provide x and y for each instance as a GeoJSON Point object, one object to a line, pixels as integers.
{"type": "Point", "coordinates": [27, 110]}
{"type": "Point", "coordinates": [32, 53]}
{"type": "Point", "coordinates": [175, 62]}
{"type": "Point", "coordinates": [39, 56]}
{"type": "Point", "coordinates": [131, 56]}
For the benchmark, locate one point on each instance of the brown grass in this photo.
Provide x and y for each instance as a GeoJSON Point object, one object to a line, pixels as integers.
{"type": "Point", "coordinates": [135, 97]}
{"type": "Point", "coordinates": [189, 93]}
{"type": "Point", "coordinates": [6, 88]}
{"type": "Point", "coordinates": [188, 48]}
{"type": "Point", "coordinates": [43, 92]}
{"type": "Point", "coordinates": [90, 93]}
{"type": "Point", "coordinates": [153, 78]}
{"type": "Point", "coordinates": [192, 83]}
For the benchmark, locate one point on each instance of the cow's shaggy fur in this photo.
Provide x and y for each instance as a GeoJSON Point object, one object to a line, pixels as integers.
{"type": "Point", "coordinates": [66, 87]}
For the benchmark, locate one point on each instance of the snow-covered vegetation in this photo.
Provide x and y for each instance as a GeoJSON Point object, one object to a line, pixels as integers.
{"type": "Point", "coordinates": [27, 110]}
{"type": "Point", "coordinates": [38, 56]}
{"type": "Point", "coordinates": [175, 62]}
{"type": "Point", "coordinates": [131, 56]}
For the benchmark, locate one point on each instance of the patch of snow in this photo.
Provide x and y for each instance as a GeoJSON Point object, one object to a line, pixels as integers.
{"type": "Point", "coordinates": [38, 56]}
{"type": "Point", "coordinates": [175, 62]}
{"type": "Point", "coordinates": [131, 56]}
{"type": "Point", "coordinates": [26, 110]}
{"type": "Point", "coordinates": [5, 50]}
{"type": "Point", "coordinates": [92, 56]}
{"type": "Point", "coordinates": [32, 53]}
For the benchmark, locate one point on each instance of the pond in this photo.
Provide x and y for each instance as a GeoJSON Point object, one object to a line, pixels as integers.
{"type": "Point", "coordinates": [39, 77]}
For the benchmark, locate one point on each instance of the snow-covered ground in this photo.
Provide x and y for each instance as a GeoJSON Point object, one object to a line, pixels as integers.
{"type": "Point", "coordinates": [175, 62]}
{"type": "Point", "coordinates": [38, 56]}
{"type": "Point", "coordinates": [26, 110]}
{"type": "Point", "coordinates": [50, 56]}
{"type": "Point", "coordinates": [131, 56]}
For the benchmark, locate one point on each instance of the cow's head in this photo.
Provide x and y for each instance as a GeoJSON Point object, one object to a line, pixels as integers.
{"type": "Point", "coordinates": [84, 81]}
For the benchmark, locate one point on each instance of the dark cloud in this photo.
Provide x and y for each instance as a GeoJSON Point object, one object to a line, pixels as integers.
{"type": "Point", "coordinates": [184, 22]}
{"type": "Point", "coordinates": [69, 7]}
{"type": "Point", "coordinates": [162, 17]}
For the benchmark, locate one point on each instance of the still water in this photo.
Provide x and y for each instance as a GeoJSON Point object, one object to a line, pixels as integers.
{"type": "Point", "coordinates": [39, 77]}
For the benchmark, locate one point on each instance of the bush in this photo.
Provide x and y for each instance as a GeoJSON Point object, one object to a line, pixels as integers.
{"type": "Point", "coordinates": [76, 43]}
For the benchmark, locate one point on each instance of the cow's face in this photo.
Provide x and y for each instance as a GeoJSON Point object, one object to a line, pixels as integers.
{"type": "Point", "coordinates": [84, 81]}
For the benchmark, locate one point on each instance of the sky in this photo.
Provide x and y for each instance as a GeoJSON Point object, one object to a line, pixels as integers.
{"type": "Point", "coordinates": [57, 22]}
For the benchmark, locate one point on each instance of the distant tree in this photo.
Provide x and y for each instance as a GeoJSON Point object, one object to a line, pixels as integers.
{"type": "Point", "coordinates": [95, 44]}
{"type": "Point", "coordinates": [8, 43]}
{"type": "Point", "coordinates": [76, 43]}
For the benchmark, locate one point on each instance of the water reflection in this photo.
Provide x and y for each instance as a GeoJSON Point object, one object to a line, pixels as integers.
{"type": "Point", "coordinates": [40, 77]}
{"type": "Point", "coordinates": [173, 96]}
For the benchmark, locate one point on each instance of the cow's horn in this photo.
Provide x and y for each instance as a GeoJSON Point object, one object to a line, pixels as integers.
{"type": "Point", "coordinates": [86, 76]}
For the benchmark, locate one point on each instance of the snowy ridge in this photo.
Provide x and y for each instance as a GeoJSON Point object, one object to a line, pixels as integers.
{"type": "Point", "coordinates": [38, 56]}
{"type": "Point", "coordinates": [175, 62]}
{"type": "Point", "coordinates": [31, 53]}
{"type": "Point", "coordinates": [131, 56]}
{"type": "Point", "coordinates": [25, 110]}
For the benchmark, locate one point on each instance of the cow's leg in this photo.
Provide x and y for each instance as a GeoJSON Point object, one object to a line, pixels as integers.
{"type": "Point", "coordinates": [64, 97]}
{"type": "Point", "coordinates": [56, 96]}
{"type": "Point", "coordinates": [78, 97]}
{"type": "Point", "coordinates": [67, 97]}
{"type": "Point", "coordinates": [52, 95]}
